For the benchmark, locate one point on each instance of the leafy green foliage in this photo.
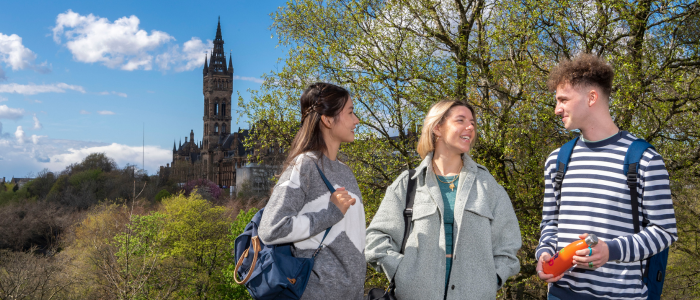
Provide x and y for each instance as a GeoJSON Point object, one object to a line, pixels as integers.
{"type": "Point", "coordinates": [179, 251]}
{"type": "Point", "coordinates": [196, 231]}
{"type": "Point", "coordinates": [40, 186]}
{"type": "Point", "coordinates": [13, 194]}
{"type": "Point", "coordinates": [94, 161]}
{"type": "Point", "coordinates": [81, 178]}
{"type": "Point", "coordinates": [162, 194]}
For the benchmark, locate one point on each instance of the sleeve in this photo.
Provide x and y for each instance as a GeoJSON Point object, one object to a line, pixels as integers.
{"type": "Point", "coordinates": [505, 233]}
{"type": "Point", "coordinates": [657, 207]}
{"type": "Point", "coordinates": [289, 216]}
{"type": "Point", "coordinates": [385, 233]}
{"type": "Point", "coordinates": [550, 211]}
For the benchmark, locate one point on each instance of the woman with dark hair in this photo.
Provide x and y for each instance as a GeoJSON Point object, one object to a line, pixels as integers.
{"type": "Point", "coordinates": [464, 235]}
{"type": "Point", "coordinates": [301, 207]}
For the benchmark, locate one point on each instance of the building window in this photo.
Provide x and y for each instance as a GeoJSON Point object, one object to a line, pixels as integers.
{"type": "Point", "coordinates": [223, 109]}
{"type": "Point", "coordinates": [216, 109]}
{"type": "Point", "coordinates": [216, 128]}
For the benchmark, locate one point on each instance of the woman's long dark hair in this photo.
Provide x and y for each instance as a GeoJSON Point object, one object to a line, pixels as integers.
{"type": "Point", "coordinates": [319, 99]}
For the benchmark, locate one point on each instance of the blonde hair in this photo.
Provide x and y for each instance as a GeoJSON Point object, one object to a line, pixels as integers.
{"type": "Point", "coordinates": [436, 116]}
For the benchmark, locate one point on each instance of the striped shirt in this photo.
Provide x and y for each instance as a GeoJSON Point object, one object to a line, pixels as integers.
{"type": "Point", "coordinates": [595, 198]}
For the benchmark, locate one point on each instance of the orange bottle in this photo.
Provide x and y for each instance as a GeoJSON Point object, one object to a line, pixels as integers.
{"type": "Point", "coordinates": [564, 259]}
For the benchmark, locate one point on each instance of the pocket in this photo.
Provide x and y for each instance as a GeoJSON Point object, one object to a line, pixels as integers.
{"type": "Point", "coordinates": [421, 210]}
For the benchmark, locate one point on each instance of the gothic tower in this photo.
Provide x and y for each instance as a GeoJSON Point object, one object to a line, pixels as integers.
{"type": "Point", "coordinates": [217, 89]}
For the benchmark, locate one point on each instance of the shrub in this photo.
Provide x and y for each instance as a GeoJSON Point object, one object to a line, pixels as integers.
{"type": "Point", "coordinates": [14, 194]}
{"type": "Point", "coordinates": [161, 195]}
{"type": "Point", "coordinates": [32, 224]}
{"type": "Point", "coordinates": [40, 186]}
{"type": "Point", "coordinates": [207, 189]}
{"type": "Point", "coordinates": [24, 275]}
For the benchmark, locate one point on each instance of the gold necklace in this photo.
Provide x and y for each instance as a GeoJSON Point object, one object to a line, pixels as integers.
{"type": "Point", "coordinates": [452, 185]}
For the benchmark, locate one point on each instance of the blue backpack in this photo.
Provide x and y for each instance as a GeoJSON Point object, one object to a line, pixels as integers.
{"type": "Point", "coordinates": [272, 272]}
{"type": "Point", "coordinates": [655, 272]}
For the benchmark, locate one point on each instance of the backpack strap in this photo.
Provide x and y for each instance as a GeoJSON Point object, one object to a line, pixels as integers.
{"type": "Point", "coordinates": [408, 211]}
{"type": "Point", "coordinates": [563, 159]}
{"type": "Point", "coordinates": [630, 168]}
{"type": "Point", "coordinates": [332, 189]}
{"type": "Point", "coordinates": [407, 217]}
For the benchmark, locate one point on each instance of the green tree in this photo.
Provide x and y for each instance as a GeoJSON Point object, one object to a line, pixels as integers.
{"type": "Point", "coordinates": [94, 161]}
{"type": "Point", "coordinates": [399, 57]}
{"type": "Point", "coordinates": [195, 231]}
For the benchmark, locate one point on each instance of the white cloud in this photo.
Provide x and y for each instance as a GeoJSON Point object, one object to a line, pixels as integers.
{"type": "Point", "coordinates": [37, 124]}
{"type": "Point", "coordinates": [189, 58]}
{"type": "Point", "coordinates": [14, 54]}
{"type": "Point", "coordinates": [84, 112]}
{"type": "Point", "coordinates": [253, 79]}
{"type": "Point", "coordinates": [35, 138]}
{"type": "Point", "coordinates": [120, 44]}
{"type": "Point", "coordinates": [105, 112]}
{"type": "Point", "coordinates": [18, 57]}
{"type": "Point", "coordinates": [10, 113]}
{"type": "Point", "coordinates": [19, 135]}
{"type": "Point", "coordinates": [122, 154]}
{"type": "Point", "coordinates": [114, 93]}
{"type": "Point", "coordinates": [55, 154]}
{"type": "Point", "coordinates": [3, 99]}
{"type": "Point", "coordinates": [31, 89]}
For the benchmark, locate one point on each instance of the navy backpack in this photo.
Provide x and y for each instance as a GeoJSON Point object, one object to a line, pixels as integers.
{"type": "Point", "coordinates": [271, 271]}
{"type": "Point", "coordinates": [655, 272]}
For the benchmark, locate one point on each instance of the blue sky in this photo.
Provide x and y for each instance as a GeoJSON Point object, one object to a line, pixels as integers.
{"type": "Point", "coordinates": [86, 76]}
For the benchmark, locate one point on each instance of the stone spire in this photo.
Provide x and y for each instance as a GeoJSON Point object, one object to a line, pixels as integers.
{"type": "Point", "coordinates": [218, 30]}
{"type": "Point", "coordinates": [206, 68]}
{"type": "Point", "coordinates": [217, 62]}
{"type": "Point", "coordinates": [230, 64]}
{"type": "Point", "coordinates": [174, 149]}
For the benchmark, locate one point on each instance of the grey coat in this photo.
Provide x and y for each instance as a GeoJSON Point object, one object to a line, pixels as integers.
{"type": "Point", "coordinates": [486, 236]}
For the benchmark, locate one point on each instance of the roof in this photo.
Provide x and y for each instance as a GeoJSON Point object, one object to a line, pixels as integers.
{"type": "Point", "coordinates": [20, 180]}
{"type": "Point", "coordinates": [227, 142]}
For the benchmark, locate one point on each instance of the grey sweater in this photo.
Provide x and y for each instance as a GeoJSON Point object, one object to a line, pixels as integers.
{"type": "Point", "coordinates": [299, 211]}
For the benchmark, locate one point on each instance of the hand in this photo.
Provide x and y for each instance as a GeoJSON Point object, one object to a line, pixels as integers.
{"type": "Point", "coordinates": [342, 199]}
{"type": "Point", "coordinates": [544, 258]}
{"type": "Point", "coordinates": [600, 255]}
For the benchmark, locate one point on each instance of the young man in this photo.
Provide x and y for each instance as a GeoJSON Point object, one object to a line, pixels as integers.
{"type": "Point", "coordinates": [594, 195]}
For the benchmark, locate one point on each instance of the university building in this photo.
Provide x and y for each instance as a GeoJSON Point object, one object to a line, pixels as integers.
{"type": "Point", "coordinates": [220, 156]}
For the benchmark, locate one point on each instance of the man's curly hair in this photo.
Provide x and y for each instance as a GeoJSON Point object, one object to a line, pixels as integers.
{"type": "Point", "coordinates": [584, 70]}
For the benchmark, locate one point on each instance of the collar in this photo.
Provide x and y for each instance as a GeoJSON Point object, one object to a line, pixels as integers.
{"type": "Point", "coordinates": [468, 165]}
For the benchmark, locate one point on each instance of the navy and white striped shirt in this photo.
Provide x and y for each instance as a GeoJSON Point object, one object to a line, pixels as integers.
{"type": "Point", "coordinates": [595, 199]}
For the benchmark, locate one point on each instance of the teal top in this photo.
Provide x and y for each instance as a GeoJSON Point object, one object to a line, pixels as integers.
{"type": "Point", "coordinates": [448, 198]}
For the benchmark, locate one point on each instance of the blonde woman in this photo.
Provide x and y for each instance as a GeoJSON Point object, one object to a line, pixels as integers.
{"type": "Point", "coordinates": [464, 235]}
